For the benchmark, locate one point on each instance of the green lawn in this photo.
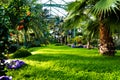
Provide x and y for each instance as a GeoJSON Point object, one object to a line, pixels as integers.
{"type": "Point", "coordinates": [65, 63]}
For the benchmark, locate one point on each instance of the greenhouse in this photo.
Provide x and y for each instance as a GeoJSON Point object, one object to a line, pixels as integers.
{"type": "Point", "coordinates": [59, 39]}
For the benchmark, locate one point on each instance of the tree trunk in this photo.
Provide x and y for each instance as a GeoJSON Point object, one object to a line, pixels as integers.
{"type": "Point", "coordinates": [17, 39]}
{"type": "Point", "coordinates": [25, 39]}
{"type": "Point", "coordinates": [106, 46]}
{"type": "Point", "coordinates": [88, 44]}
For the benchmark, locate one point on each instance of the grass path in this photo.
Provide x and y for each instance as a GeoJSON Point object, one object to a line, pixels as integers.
{"type": "Point", "coordinates": [65, 63]}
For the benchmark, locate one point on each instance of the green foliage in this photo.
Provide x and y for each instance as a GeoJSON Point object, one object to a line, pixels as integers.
{"type": "Point", "coordinates": [65, 63]}
{"type": "Point", "coordinates": [21, 53]}
{"type": "Point", "coordinates": [4, 19]}
{"type": "Point", "coordinates": [77, 39]}
{"type": "Point", "coordinates": [4, 1]}
{"type": "Point", "coordinates": [15, 11]}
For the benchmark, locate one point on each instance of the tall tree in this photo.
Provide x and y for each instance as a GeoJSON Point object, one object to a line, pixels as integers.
{"type": "Point", "coordinates": [16, 11]}
{"type": "Point", "coordinates": [107, 12]}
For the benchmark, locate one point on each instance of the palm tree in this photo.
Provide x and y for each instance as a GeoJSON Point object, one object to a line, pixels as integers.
{"type": "Point", "coordinates": [107, 13]}
{"type": "Point", "coordinates": [108, 22]}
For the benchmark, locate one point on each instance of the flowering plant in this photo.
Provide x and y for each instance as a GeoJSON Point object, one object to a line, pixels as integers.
{"type": "Point", "coordinates": [14, 64]}
{"type": "Point", "coordinates": [5, 78]}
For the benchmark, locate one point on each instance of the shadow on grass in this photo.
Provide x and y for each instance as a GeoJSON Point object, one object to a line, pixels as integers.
{"type": "Point", "coordinates": [97, 64]}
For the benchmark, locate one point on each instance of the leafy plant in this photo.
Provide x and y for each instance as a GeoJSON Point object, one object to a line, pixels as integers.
{"type": "Point", "coordinates": [78, 39]}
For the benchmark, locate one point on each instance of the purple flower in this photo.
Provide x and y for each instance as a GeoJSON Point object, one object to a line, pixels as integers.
{"type": "Point", "coordinates": [14, 64]}
{"type": "Point", "coordinates": [5, 78]}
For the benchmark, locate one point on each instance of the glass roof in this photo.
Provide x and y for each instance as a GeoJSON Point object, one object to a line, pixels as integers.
{"type": "Point", "coordinates": [56, 1]}
{"type": "Point", "coordinates": [54, 8]}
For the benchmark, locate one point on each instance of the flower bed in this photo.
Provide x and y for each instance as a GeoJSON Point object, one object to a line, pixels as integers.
{"type": "Point", "coordinates": [14, 64]}
{"type": "Point", "coordinates": [5, 78]}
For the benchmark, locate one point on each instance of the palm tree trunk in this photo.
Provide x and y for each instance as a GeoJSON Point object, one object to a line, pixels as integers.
{"type": "Point", "coordinates": [106, 46]}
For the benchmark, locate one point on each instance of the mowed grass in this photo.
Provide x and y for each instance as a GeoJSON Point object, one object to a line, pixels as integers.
{"type": "Point", "coordinates": [65, 63]}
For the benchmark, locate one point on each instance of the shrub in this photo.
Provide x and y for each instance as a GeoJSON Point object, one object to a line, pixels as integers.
{"type": "Point", "coordinates": [21, 53]}
{"type": "Point", "coordinates": [77, 39]}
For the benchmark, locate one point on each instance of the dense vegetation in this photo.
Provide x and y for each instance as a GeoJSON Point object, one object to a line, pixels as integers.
{"type": "Point", "coordinates": [66, 63]}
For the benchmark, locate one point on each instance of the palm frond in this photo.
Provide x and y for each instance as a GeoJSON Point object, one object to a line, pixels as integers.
{"type": "Point", "coordinates": [75, 10]}
{"type": "Point", "coordinates": [103, 7]}
{"type": "Point", "coordinates": [93, 29]}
